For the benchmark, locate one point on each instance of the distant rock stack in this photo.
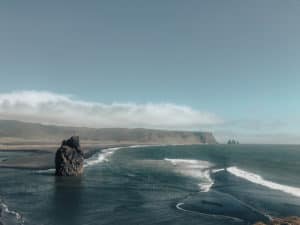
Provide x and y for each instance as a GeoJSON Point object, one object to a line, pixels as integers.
{"type": "Point", "coordinates": [232, 142]}
{"type": "Point", "coordinates": [69, 158]}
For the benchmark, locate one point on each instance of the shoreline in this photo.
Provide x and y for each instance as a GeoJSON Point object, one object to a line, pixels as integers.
{"type": "Point", "coordinates": [43, 158]}
{"type": "Point", "coordinates": [40, 159]}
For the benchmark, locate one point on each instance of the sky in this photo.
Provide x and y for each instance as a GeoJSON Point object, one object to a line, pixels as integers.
{"type": "Point", "coordinates": [230, 67]}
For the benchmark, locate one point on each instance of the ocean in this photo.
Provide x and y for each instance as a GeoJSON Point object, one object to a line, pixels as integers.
{"type": "Point", "coordinates": [140, 185]}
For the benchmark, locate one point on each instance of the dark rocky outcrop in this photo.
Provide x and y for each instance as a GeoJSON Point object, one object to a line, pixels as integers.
{"type": "Point", "coordinates": [69, 158]}
{"type": "Point", "coordinates": [293, 220]}
{"type": "Point", "coordinates": [232, 142]}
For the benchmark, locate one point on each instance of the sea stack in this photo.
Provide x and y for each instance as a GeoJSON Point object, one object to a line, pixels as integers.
{"type": "Point", "coordinates": [69, 158]}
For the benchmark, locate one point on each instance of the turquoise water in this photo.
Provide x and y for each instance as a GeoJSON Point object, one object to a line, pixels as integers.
{"type": "Point", "coordinates": [207, 184]}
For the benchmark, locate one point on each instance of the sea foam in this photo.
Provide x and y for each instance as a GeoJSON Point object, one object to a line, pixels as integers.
{"type": "Point", "coordinates": [257, 179]}
{"type": "Point", "coordinates": [95, 159]}
{"type": "Point", "coordinates": [100, 157]}
{"type": "Point", "coordinates": [18, 216]}
{"type": "Point", "coordinates": [195, 168]}
{"type": "Point", "coordinates": [218, 170]}
{"type": "Point", "coordinates": [105, 154]}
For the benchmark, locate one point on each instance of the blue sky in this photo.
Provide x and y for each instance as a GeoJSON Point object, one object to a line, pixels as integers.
{"type": "Point", "coordinates": [236, 60]}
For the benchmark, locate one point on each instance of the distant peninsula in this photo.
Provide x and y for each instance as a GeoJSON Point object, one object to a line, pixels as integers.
{"type": "Point", "coordinates": [19, 135]}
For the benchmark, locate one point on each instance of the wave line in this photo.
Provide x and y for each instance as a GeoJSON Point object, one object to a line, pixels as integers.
{"type": "Point", "coordinates": [257, 179]}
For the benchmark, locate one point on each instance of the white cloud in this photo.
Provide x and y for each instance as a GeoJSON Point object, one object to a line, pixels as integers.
{"type": "Point", "coordinates": [51, 108]}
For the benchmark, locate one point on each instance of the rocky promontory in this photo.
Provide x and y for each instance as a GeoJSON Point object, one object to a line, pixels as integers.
{"type": "Point", "coordinates": [293, 220]}
{"type": "Point", "coordinates": [21, 135]}
{"type": "Point", "coordinates": [69, 158]}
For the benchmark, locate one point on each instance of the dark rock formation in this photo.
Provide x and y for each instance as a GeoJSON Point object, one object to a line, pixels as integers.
{"type": "Point", "coordinates": [293, 220]}
{"type": "Point", "coordinates": [69, 158]}
{"type": "Point", "coordinates": [232, 142]}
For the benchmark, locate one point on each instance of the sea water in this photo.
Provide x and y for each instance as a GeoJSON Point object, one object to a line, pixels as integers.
{"type": "Point", "coordinates": [204, 184]}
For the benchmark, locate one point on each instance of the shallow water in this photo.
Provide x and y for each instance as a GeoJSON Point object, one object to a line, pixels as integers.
{"type": "Point", "coordinates": [208, 184]}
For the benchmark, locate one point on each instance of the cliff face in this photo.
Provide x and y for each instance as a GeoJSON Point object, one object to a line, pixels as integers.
{"type": "Point", "coordinates": [293, 220]}
{"type": "Point", "coordinates": [31, 131]}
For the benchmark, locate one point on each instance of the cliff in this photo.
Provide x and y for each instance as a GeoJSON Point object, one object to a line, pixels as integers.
{"type": "Point", "coordinates": [31, 133]}
{"type": "Point", "coordinates": [293, 220]}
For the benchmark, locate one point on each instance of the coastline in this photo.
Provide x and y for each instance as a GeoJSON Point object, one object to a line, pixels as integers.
{"type": "Point", "coordinates": [42, 157]}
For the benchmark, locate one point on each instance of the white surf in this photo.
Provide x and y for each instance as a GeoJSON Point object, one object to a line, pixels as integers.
{"type": "Point", "coordinates": [100, 157]}
{"type": "Point", "coordinates": [13, 213]}
{"type": "Point", "coordinates": [257, 179]}
{"type": "Point", "coordinates": [198, 169]}
{"type": "Point", "coordinates": [105, 154]}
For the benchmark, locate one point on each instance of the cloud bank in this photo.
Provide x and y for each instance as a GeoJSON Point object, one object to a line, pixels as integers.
{"type": "Point", "coordinates": [51, 108]}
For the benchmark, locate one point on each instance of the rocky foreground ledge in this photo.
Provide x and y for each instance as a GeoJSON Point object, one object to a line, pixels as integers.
{"type": "Point", "coordinates": [293, 220]}
{"type": "Point", "coordinates": [69, 158]}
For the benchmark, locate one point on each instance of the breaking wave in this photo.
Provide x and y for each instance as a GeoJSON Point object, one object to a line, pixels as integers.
{"type": "Point", "coordinates": [257, 179]}
{"type": "Point", "coordinates": [6, 212]}
{"type": "Point", "coordinates": [217, 170]}
{"type": "Point", "coordinates": [100, 157]}
{"type": "Point", "coordinates": [104, 155]}
{"type": "Point", "coordinates": [195, 168]}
